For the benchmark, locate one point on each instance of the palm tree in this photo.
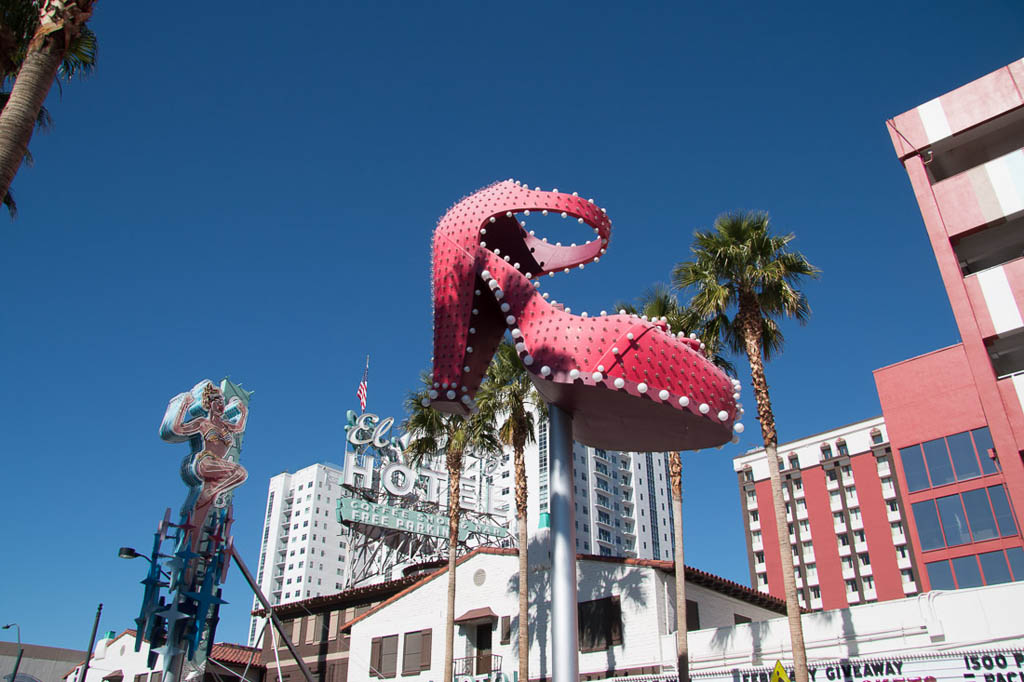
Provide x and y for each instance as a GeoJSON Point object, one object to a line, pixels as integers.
{"type": "Point", "coordinates": [740, 266]}
{"type": "Point", "coordinates": [39, 41]}
{"type": "Point", "coordinates": [509, 394]}
{"type": "Point", "coordinates": [659, 302]}
{"type": "Point", "coordinates": [431, 432]}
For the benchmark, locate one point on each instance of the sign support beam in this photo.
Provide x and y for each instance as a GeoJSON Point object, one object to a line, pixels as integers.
{"type": "Point", "coordinates": [564, 637]}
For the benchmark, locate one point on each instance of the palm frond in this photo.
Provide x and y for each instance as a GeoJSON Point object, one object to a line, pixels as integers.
{"type": "Point", "coordinates": [80, 58]}
{"type": "Point", "coordinates": [740, 258]}
{"type": "Point", "coordinates": [12, 208]}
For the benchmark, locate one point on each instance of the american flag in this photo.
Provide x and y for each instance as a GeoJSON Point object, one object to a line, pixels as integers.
{"type": "Point", "coordinates": [361, 391]}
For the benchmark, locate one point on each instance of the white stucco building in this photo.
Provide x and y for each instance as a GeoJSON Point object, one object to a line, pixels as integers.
{"type": "Point", "coordinates": [627, 617]}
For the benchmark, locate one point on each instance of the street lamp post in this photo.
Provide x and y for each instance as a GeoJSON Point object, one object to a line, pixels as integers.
{"type": "Point", "coordinates": [92, 642]}
{"type": "Point", "coordinates": [17, 661]}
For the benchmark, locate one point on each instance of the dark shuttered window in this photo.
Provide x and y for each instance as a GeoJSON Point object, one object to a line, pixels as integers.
{"type": "Point", "coordinates": [389, 656]}
{"type": "Point", "coordinates": [600, 624]}
{"type": "Point", "coordinates": [692, 615]}
{"type": "Point", "coordinates": [375, 657]}
{"type": "Point", "coordinates": [506, 629]}
{"type": "Point", "coordinates": [416, 652]}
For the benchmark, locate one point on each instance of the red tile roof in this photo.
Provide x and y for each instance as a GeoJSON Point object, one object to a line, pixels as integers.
{"type": "Point", "coordinates": [331, 601]}
{"type": "Point", "coordinates": [236, 653]}
{"type": "Point", "coordinates": [694, 575]}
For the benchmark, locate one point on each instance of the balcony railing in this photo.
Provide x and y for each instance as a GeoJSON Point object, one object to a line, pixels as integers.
{"type": "Point", "coordinates": [481, 664]}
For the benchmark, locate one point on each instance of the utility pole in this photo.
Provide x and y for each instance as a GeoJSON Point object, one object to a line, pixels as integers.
{"type": "Point", "coordinates": [92, 643]}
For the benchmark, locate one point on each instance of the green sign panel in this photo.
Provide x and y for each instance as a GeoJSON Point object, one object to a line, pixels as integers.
{"type": "Point", "coordinates": [408, 520]}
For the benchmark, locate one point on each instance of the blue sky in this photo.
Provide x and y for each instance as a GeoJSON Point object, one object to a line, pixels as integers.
{"type": "Point", "coordinates": [252, 193]}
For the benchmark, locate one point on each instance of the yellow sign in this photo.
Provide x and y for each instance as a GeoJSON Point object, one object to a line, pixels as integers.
{"type": "Point", "coordinates": [779, 674]}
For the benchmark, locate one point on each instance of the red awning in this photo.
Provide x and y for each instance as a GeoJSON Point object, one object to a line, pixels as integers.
{"type": "Point", "coordinates": [116, 675]}
{"type": "Point", "coordinates": [480, 615]}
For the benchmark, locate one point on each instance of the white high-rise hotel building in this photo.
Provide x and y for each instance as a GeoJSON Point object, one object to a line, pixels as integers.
{"type": "Point", "coordinates": [304, 548]}
{"type": "Point", "coordinates": [623, 508]}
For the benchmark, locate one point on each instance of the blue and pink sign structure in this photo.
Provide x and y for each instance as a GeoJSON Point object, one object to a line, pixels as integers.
{"type": "Point", "coordinates": [191, 553]}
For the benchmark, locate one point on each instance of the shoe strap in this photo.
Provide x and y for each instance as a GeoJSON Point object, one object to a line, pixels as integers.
{"type": "Point", "coordinates": [507, 196]}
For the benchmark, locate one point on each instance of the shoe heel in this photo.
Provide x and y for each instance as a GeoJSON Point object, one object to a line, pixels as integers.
{"type": "Point", "coordinates": [467, 327]}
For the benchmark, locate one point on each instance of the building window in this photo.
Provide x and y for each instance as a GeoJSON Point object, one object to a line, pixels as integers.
{"type": "Point", "coordinates": [851, 585]}
{"type": "Point", "coordinates": [826, 451]}
{"type": "Point", "coordinates": [994, 568]}
{"type": "Point", "coordinates": [869, 582]}
{"type": "Point", "coordinates": [958, 457]}
{"type": "Point", "coordinates": [965, 569]}
{"type": "Point", "coordinates": [987, 510]}
{"type": "Point", "coordinates": [865, 560]}
{"type": "Point", "coordinates": [815, 592]}
{"type": "Point", "coordinates": [913, 467]}
{"type": "Point", "coordinates": [384, 656]}
{"type": "Point", "coordinates": [936, 457]}
{"type": "Point", "coordinates": [876, 437]}
{"type": "Point", "coordinates": [692, 615]}
{"type": "Point", "coordinates": [842, 449]}
{"type": "Point", "coordinates": [416, 652]}
{"type": "Point", "coordinates": [600, 624]}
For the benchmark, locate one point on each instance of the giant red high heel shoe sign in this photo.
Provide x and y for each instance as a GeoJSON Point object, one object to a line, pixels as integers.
{"type": "Point", "coordinates": [629, 383]}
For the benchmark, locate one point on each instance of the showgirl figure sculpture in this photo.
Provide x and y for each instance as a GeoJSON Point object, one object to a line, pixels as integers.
{"type": "Point", "coordinates": [209, 471]}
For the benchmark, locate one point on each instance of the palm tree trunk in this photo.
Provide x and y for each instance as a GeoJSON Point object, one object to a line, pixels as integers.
{"type": "Point", "coordinates": [524, 613]}
{"type": "Point", "coordinates": [675, 472]}
{"type": "Point", "coordinates": [57, 27]}
{"type": "Point", "coordinates": [751, 325]}
{"type": "Point", "coordinates": [454, 463]}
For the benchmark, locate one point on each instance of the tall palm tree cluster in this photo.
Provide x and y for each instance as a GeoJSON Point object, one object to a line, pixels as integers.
{"type": "Point", "coordinates": [504, 418]}
{"type": "Point", "coordinates": [742, 281]}
{"type": "Point", "coordinates": [41, 41]}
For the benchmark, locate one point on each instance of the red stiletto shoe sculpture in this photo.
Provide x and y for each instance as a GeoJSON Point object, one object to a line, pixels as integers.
{"type": "Point", "coordinates": [630, 384]}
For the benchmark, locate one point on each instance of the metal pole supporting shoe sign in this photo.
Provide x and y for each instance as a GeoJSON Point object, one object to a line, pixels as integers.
{"type": "Point", "coordinates": [190, 557]}
{"type": "Point", "coordinates": [615, 382]}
